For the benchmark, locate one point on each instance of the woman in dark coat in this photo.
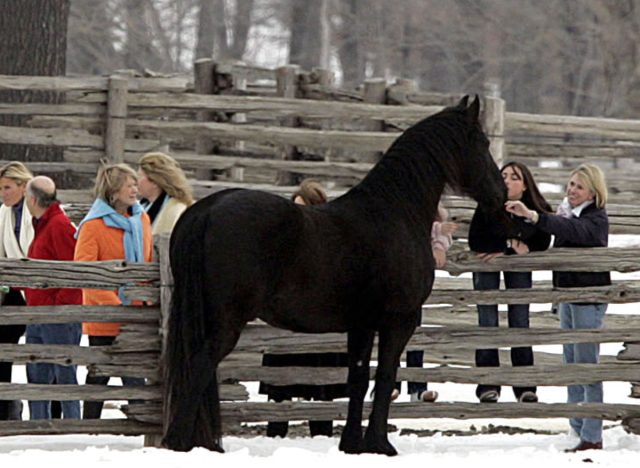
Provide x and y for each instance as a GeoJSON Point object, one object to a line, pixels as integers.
{"type": "Point", "coordinates": [580, 221]}
{"type": "Point", "coordinates": [309, 193]}
{"type": "Point", "coordinates": [490, 237]}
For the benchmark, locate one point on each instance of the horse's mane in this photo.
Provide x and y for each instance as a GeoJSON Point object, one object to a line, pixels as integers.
{"type": "Point", "coordinates": [420, 162]}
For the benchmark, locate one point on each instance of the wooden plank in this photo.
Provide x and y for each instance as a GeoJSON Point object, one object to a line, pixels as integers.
{"type": "Point", "coordinates": [12, 315]}
{"type": "Point", "coordinates": [68, 355]}
{"type": "Point", "coordinates": [9, 391]}
{"type": "Point", "coordinates": [52, 109]}
{"type": "Point", "coordinates": [273, 340]}
{"type": "Point", "coordinates": [619, 293]}
{"type": "Point", "coordinates": [70, 426]}
{"type": "Point", "coordinates": [558, 375]}
{"type": "Point", "coordinates": [289, 411]}
{"type": "Point", "coordinates": [100, 275]}
{"type": "Point", "coordinates": [92, 83]}
{"type": "Point", "coordinates": [365, 141]}
{"type": "Point", "coordinates": [620, 259]}
{"type": "Point", "coordinates": [66, 137]}
{"type": "Point", "coordinates": [591, 127]}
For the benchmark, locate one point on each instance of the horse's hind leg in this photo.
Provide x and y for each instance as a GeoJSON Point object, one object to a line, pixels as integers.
{"type": "Point", "coordinates": [391, 342]}
{"type": "Point", "coordinates": [195, 420]}
{"type": "Point", "coordinates": [360, 343]}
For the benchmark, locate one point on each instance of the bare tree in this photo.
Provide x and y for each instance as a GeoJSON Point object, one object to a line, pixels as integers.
{"type": "Point", "coordinates": [33, 34]}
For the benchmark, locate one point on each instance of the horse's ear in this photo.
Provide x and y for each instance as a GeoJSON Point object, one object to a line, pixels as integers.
{"type": "Point", "coordinates": [474, 109]}
{"type": "Point", "coordinates": [463, 102]}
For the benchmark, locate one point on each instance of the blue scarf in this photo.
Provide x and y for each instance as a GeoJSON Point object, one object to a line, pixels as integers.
{"type": "Point", "coordinates": [132, 227]}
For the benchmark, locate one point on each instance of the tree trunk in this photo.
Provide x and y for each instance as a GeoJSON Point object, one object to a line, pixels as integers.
{"type": "Point", "coordinates": [241, 27]}
{"type": "Point", "coordinates": [33, 34]}
{"type": "Point", "coordinates": [350, 49]}
{"type": "Point", "coordinates": [305, 42]}
{"type": "Point", "coordinates": [206, 30]}
{"type": "Point", "coordinates": [90, 39]}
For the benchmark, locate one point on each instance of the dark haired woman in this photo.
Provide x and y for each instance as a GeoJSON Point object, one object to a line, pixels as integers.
{"type": "Point", "coordinates": [490, 237]}
{"type": "Point", "coordinates": [310, 192]}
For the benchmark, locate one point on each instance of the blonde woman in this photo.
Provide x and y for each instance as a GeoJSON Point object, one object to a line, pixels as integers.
{"type": "Point", "coordinates": [116, 228]}
{"type": "Point", "coordinates": [16, 231]}
{"type": "Point", "coordinates": [580, 221]}
{"type": "Point", "coordinates": [165, 190]}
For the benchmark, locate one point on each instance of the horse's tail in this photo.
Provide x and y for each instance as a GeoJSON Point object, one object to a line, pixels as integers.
{"type": "Point", "coordinates": [191, 399]}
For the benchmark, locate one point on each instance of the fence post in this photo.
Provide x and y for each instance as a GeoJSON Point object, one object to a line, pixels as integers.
{"type": "Point", "coordinates": [239, 81]}
{"type": "Point", "coordinates": [493, 121]}
{"type": "Point", "coordinates": [204, 83]}
{"type": "Point", "coordinates": [161, 243]}
{"type": "Point", "coordinates": [287, 86]}
{"type": "Point", "coordinates": [326, 79]}
{"type": "Point", "coordinates": [375, 92]}
{"type": "Point", "coordinates": [116, 118]}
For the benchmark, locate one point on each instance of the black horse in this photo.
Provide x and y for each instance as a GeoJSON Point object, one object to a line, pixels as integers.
{"type": "Point", "coordinates": [360, 264]}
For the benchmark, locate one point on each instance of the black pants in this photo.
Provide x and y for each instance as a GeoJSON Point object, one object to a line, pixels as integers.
{"type": "Point", "coordinates": [518, 315]}
{"type": "Point", "coordinates": [9, 334]}
{"type": "Point", "coordinates": [93, 409]}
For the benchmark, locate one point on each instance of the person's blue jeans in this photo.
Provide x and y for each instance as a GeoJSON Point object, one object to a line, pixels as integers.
{"type": "Point", "coordinates": [583, 316]}
{"type": "Point", "coordinates": [46, 373]}
{"type": "Point", "coordinates": [518, 316]}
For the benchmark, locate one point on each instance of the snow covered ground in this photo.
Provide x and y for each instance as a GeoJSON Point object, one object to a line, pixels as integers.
{"type": "Point", "coordinates": [521, 450]}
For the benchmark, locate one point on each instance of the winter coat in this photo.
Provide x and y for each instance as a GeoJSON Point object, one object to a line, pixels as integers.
{"type": "Point", "coordinates": [54, 240]}
{"type": "Point", "coordinates": [489, 235]}
{"type": "Point", "coordinates": [590, 229]}
{"type": "Point", "coordinates": [96, 242]}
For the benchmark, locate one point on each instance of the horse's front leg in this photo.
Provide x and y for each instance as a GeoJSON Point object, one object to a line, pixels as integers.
{"type": "Point", "coordinates": [392, 340]}
{"type": "Point", "coordinates": [360, 343]}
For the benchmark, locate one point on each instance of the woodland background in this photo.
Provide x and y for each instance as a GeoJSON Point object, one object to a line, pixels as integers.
{"type": "Point", "coordinates": [547, 56]}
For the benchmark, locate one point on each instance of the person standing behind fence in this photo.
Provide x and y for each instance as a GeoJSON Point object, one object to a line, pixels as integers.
{"type": "Point", "coordinates": [17, 233]}
{"type": "Point", "coordinates": [54, 240]}
{"type": "Point", "coordinates": [580, 221]}
{"type": "Point", "coordinates": [116, 228]}
{"type": "Point", "coordinates": [441, 240]}
{"type": "Point", "coordinates": [309, 193]}
{"type": "Point", "coordinates": [165, 190]}
{"type": "Point", "coordinates": [489, 237]}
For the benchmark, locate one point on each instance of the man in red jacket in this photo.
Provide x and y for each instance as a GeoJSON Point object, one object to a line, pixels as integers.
{"type": "Point", "coordinates": [54, 240]}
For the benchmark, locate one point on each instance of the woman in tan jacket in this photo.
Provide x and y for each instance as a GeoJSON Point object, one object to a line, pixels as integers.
{"type": "Point", "coordinates": [165, 190]}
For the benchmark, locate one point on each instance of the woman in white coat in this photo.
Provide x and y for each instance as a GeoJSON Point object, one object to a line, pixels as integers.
{"type": "Point", "coordinates": [165, 190]}
{"type": "Point", "coordinates": [16, 234]}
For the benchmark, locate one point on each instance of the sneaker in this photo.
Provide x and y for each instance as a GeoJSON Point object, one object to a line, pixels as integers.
{"type": "Point", "coordinates": [395, 393]}
{"type": "Point", "coordinates": [584, 445]}
{"type": "Point", "coordinates": [429, 396]}
{"type": "Point", "coordinates": [490, 396]}
{"type": "Point", "coordinates": [528, 397]}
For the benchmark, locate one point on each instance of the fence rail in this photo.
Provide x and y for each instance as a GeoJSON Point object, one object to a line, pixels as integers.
{"type": "Point", "coordinates": [241, 125]}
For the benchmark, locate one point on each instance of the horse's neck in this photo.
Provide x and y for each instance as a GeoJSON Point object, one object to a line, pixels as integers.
{"type": "Point", "coordinates": [410, 183]}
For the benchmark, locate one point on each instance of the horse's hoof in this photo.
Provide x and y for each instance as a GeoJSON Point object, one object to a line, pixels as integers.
{"type": "Point", "coordinates": [177, 442]}
{"type": "Point", "coordinates": [379, 446]}
{"type": "Point", "coordinates": [351, 444]}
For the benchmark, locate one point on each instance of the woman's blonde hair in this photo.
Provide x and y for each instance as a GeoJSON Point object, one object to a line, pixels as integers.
{"type": "Point", "coordinates": [110, 180]}
{"type": "Point", "coordinates": [593, 178]}
{"type": "Point", "coordinates": [311, 193]}
{"type": "Point", "coordinates": [16, 171]}
{"type": "Point", "coordinates": [165, 171]}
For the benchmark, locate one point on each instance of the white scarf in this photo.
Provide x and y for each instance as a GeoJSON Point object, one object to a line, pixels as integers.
{"type": "Point", "coordinates": [566, 211]}
{"type": "Point", "coordinates": [10, 247]}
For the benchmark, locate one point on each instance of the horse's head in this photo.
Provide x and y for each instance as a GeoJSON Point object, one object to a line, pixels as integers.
{"type": "Point", "coordinates": [480, 177]}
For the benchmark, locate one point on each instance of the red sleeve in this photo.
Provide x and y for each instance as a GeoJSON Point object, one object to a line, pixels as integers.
{"type": "Point", "coordinates": [64, 245]}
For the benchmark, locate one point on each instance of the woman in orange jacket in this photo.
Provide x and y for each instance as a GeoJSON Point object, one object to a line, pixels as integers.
{"type": "Point", "coordinates": [116, 228]}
